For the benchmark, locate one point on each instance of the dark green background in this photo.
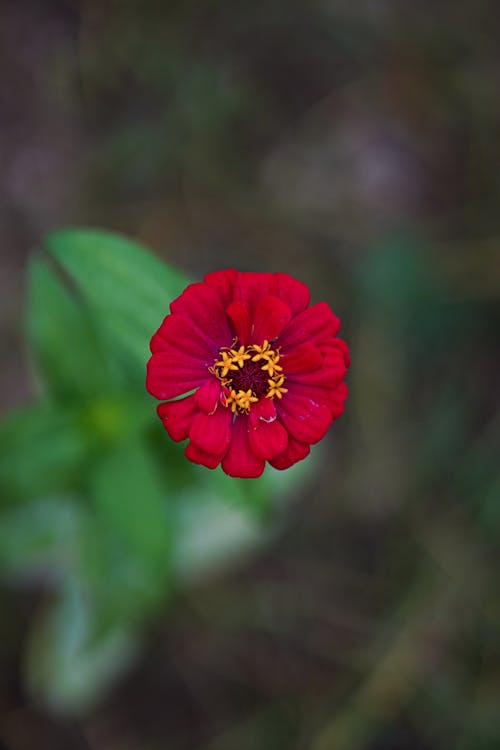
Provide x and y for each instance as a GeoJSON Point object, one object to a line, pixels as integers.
{"type": "Point", "coordinates": [356, 146]}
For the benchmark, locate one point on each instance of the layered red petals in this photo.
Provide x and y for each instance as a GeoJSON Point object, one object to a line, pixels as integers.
{"type": "Point", "coordinates": [208, 397]}
{"type": "Point", "coordinates": [302, 358]}
{"type": "Point", "coordinates": [331, 372]}
{"type": "Point", "coordinates": [239, 315]}
{"type": "Point", "coordinates": [198, 456]}
{"type": "Point", "coordinates": [294, 452]}
{"type": "Point", "coordinates": [293, 293]}
{"type": "Point", "coordinates": [173, 333]}
{"type": "Point", "coordinates": [271, 316]}
{"type": "Point", "coordinates": [270, 407]}
{"type": "Point", "coordinates": [267, 435]}
{"type": "Point", "coordinates": [169, 377]}
{"type": "Point", "coordinates": [305, 419]}
{"type": "Point", "coordinates": [223, 282]}
{"type": "Point", "coordinates": [177, 417]}
{"type": "Point", "coordinates": [202, 305]}
{"type": "Point", "coordinates": [251, 287]}
{"type": "Point", "coordinates": [240, 460]}
{"type": "Point", "coordinates": [315, 324]}
{"type": "Point", "coordinates": [337, 400]}
{"type": "Point", "coordinates": [211, 432]}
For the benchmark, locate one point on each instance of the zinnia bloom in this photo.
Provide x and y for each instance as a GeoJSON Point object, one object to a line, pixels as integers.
{"type": "Point", "coordinates": [263, 370]}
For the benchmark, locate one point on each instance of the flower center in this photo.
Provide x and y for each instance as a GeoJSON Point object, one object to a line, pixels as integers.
{"type": "Point", "coordinates": [248, 373]}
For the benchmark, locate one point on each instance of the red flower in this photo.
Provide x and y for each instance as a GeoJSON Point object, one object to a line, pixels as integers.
{"type": "Point", "coordinates": [266, 371]}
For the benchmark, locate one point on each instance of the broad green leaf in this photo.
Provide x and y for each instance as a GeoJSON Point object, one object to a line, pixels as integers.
{"type": "Point", "coordinates": [128, 552]}
{"type": "Point", "coordinates": [61, 335]}
{"type": "Point", "coordinates": [128, 497]}
{"type": "Point", "coordinates": [42, 450]}
{"type": "Point", "coordinates": [127, 289]}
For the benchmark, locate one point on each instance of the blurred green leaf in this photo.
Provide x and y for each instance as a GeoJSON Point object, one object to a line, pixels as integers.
{"type": "Point", "coordinates": [129, 498]}
{"type": "Point", "coordinates": [489, 508]}
{"type": "Point", "coordinates": [60, 332]}
{"type": "Point", "coordinates": [107, 418]}
{"type": "Point", "coordinates": [221, 519]}
{"type": "Point", "coordinates": [41, 536]}
{"type": "Point", "coordinates": [129, 547]}
{"type": "Point", "coordinates": [403, 290]}
{"type": "Point", "coordinates": [42, 450]}
{"type": "Point", "coordinates": [210, 531]}
{"type": "Point", "coordinates": [127, 289]}
{"type": "Point", "coordinates": [69, 664]}
{"type": "Point", "coordinates": [396, 276]}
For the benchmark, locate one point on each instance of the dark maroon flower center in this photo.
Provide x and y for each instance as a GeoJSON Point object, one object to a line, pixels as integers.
{"type": "Point", "coordinates": [251, 377]}
{"type": "Point", "coordinates": [249, 373]}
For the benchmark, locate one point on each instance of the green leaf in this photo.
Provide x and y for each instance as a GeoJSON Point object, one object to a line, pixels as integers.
{"type": "Point", "coordinates": [69, 662]}
{"type": "Point", "coordinates": [219, 520]}
{"type": "Point", "coordinates": [60, 332]}
{"type": "Point", "coordinates": [128, 554]}
{"type": "Point", "coordinates": [42, 535]}
{"type": "Point", "coordinates": [127, 289]}
{"type": "Point", "coordinates": [211, 533]}
{"type": "Point", "coordinates": [42, 450]}
{"type": "Point", "coordinates": [128, 497]}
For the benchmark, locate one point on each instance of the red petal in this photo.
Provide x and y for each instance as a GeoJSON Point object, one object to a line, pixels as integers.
{"type": "Point", "coordinates": [202, 304]}
{"type": "Point", "coordinates": [294, 293]}
{"type": "Point", "coordinates": [212, 432]}
{"type": "Point", "coordinates": [263, 410]}
{"type": "Point", "coordinates": [305, 419]}
{"type": "Point", "coordinates": [223, 282]}
{"type": "Point", "coordinates": [239, 315]}
{"type": "Point", "coordinates": [168, 377]}
{"type": "Point", "coordinates": [336, 345]}
{"type": "Point", "coordinates": [177, 417]}
{"type": "Point", "coordinates": [333, 398]}
{"type": "Point", "coordinates": [199, 456]}
{"type": "Point", "coordinates": [267, 436]}
{"type": "Point", "coordinates": [208, 395]}
{"type": "Point", "coordinates": [329, 375]}
{"type": "Point", "coordinates": [294, 452]}
{"type": "Point", "coordinates": [301, 358]}
{"type": "Point", "coordinates": [251, 287]}
{"type": "Point", "coordinates": [271, 316]}
{"type": "Point", "coordinates": [337, 400]}
{"type": "Point", "coordinates": [179, 332]}
{"type": "Point", "coordinates": [240, 461]}
{"type": "Point", "coordinates": [341, 344]}
{"type": "Point", "coordinates": [315, 324]}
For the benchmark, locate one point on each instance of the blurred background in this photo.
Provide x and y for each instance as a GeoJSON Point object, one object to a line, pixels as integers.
{"type": "Point", "coordinates": [356, 146]}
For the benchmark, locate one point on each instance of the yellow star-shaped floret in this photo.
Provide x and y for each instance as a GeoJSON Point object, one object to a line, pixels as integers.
{"type": "Point", "coordinates": [240, 355]}
{"type": "Point", "coordinates": [226, 363]}
{"type": "Point", "coordinates": [276, 388]}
